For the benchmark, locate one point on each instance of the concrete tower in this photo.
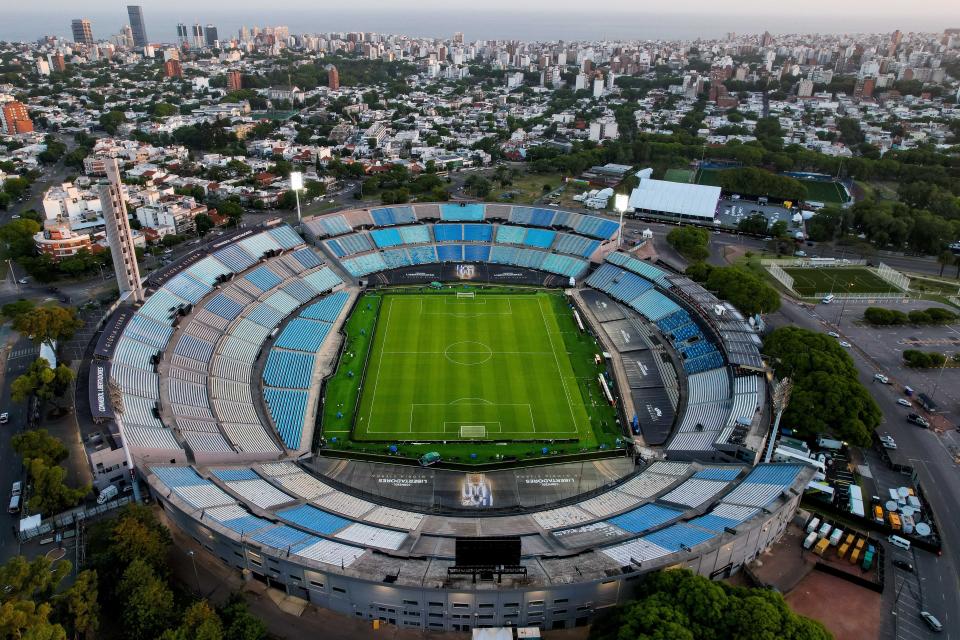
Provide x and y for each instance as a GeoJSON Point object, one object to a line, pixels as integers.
{"type": "Point", "coordinates": [119, 236]}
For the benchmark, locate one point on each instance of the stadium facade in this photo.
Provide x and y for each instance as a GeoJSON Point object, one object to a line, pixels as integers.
{"type": "Point", "coordinates": [220, 374]}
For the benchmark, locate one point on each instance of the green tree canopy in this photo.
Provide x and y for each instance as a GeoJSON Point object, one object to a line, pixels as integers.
{"type": "Point", "coordinates": [744, 289]}
{"type": "Point", "coordinates": [827, 396]}
{"type": "Point", "coordinates": [42, 381]}
{"type": "Point", "coordinates": [678, 605]}
{"type": "Point", "coordinates": [48, 324]}
{"type": "Point", "coordinates": [691, 242]}
{"type": "Point", "coordinates": [16, 238]}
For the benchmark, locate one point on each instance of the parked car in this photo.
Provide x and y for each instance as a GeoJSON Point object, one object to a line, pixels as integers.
{"type": "Point", "coordinates": [879, 377]}
{"type": "Point", "coordinates": [931, 621]}
{"type": "Point", "coordinates": [4, 417]}
{"type": "Point", "coordinates": [903, 564]}
{"type": "Point", "coordinates": [918, 420]}
{"type": "Point", "coordinates": [833, 334]}
{"type": "Point", "coordinates": [888, 442]}
{"type": "Point", "coordinates": [903, 402]}
{"type": "Point", "coordinates": [845, 344]}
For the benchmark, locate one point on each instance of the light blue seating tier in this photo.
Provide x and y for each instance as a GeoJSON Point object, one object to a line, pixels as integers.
{"type": "Point", "coordinates": [259, 244]}
{"type": "Point", "coordinates": [448, 232]}
{"type": "Point", "coordinates": [684, 333]}
{"type": "Point", "coordinates": [450, 252]}
{"type": "Point", "coordinates": [322, 280]}
{"type": "Point", "coordinates": [386, 237]}
{"type": "Point", "coordinates": [162, 305]}
{"type": "Point", "coordinates": [422, 255]}
{"type": "Point", "coordinates": [674, 320]}
{"type": "Point", "coordinates": [564, 265]}
{"type": "Point", "coordinates": [476, 253]}
{"type": "Point", "coordinates": [461, 212]}
{"type": "Point", "coordinates": [300, 290]}
{"type": "Point", "coordinates": [362, 265]}
{"type": "Point", "coordinates": [188, 288]}
{"type": "Point", "coordinates": [387, 216]}
{"type": "Point", "coordinates": [628, 287]}
{"type": "Point", "coordinates": [355, 243]}
{"type": "Point", "coordinates": [643, 518]}
{"type": "Point", "coordinates": [303, 335]}
{"type": "Point", "coordinates": [723, 474]}
{"type": "Point", "coordinates": [520, 215]}
{"type": "Point", "coordinates": [285, 236]}
{"type": "Point", "coordinates": [288, 369]}
{"type": "Point", "coordinates": [477, 232]}
{"type": "Point", "coordinates": [503, 255]}
{"type": "Point", "coordinates": [327, 309]}
{"type": "Point", "coordinates": [176, 477]}
{"type": "Point", "coordinates": [530, 258]}
{"type": "Point", "coordinates": [287, 409]}
{"type": "Point", "coordinates": [313, 519]}
{"type": "Point", "coordinates": [603, 276]}
{"type": "Point", "coordinates": [396, 258]}
{"type": "Point", "coordinates": [782, 474]}
{"type": "Point", "coordinates": [678, 536]}
{"type": "Point", "coordinates": [697, 349]}
{"type": "Point", "coordinates": [265, 316]}
{"type": "Point", "coordinates": [148, 331]}
{"type": "Point", "coordinates": [541, 238]}
{"type": "Point", "coordinates": [263, 278]}
{"type": "Point", "coordinates": [335, 248]}
{"type": "Point", "coordinates": [535, 217]}
{"type": "Point", "coordinates": [510, 235]}
{"type": "Point", "coordinates": [562, 219]}
{"type": "Point", "coordinates": [232, 474]}
{"type": "Point", "coordinates": [654, 305]}
{"type": "Point", "coordinates": [281, 537]}
{"type": "Point", "coordinates": [246, 524]}
{"type": "Point", "coordinates": [193, 347]}
{"type": "Point", "coordinates": [417, 234]}
{"type": "Point", "coordinates": [307, 258]}
{"type": "Point", "coordinates": [234, 257]}
{"type": "Point", "coordinates": [596, 227]}
{"type": "Point", "coordinates": [335, 225]}
{"type": "Point", "coordinates": [641, 267]}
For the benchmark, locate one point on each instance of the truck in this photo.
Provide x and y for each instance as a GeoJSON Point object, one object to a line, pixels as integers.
{"type": "Point", "coordinates": [825, 529]}
{"type": "Point", "coordinates": [821, 547]}
{"type": "Point", "coordinates": [842, 550]}
{"type": "Point", "coordinates": [108, 493]}
{"type": "Point", "coordinates": [813, 524]}
{"type": "Point", "coordinates": [829, 443]}
{"type": "Point", "coordinates": [878, 514]}
{"type": "Point", "coordinates": [856, 501]}
{"type": "Point", "coordinates": [835, 537]}
{"type": "Point", "coordinates": [868, 558]}
{"type": "Point", "coordinates": [894, 520]}
{"type": "Point", "coordinates": [810, 539]}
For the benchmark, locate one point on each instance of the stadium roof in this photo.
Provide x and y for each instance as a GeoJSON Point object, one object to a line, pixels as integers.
{"type": "Point", "coordinates": [676, 198]}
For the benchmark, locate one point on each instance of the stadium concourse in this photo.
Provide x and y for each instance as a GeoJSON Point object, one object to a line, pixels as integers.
{"type": "Point", "coordinates": [214, 386]}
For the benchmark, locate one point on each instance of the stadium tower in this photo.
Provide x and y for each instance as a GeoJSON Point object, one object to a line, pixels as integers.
{"type": "Point", "coordinates": [119, 236]}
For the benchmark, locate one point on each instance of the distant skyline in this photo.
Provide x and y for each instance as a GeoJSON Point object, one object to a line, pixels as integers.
{"type": "Point", "coordinates": [538, 19]}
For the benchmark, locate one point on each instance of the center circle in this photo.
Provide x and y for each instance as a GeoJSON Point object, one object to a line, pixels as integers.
{"type": "Point", "coordinates": [468, 352]}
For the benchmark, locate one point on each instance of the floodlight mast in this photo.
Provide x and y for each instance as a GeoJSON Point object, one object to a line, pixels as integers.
{"type": "Point", "coordinates": [620, 202]}
{"type": "Point", "coordinates": [296, 184]}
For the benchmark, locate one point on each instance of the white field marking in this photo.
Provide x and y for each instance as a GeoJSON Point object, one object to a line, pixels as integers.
{"type": "Point", "coordinates": [376, 383]}
{"type": "Point", "coordinates": [473, 431]}
{"type": "Point", "coordinates": [566, 391]}
{"type": "Point", "coordinates": [471, 401]}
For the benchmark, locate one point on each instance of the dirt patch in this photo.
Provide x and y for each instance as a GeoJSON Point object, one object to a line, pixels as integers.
{"type": "Point", "coordinates": [785, 564]}
{"type": "Point", "coordinates": [849, 612]}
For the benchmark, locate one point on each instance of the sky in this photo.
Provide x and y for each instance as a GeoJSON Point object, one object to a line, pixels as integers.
{"type": "Point", "coordinates": [528, 19]}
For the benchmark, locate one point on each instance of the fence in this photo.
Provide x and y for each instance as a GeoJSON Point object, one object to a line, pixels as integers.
{"type": "Point", "coordinates": [781, 276]}
{"type": "Point", "coordinates": [69, 518]}
{"type": "Point", "coordinates": [812, 263]}
{"type": "Point", "coordinates": [894, 277]}
{"type": "Point", "coordinates": [863, 297]}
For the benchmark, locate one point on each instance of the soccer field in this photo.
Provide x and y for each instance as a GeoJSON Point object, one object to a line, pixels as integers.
{"type": "Point", "coordinates": [490, 367]}
{"type": "Point", "coordinates": [825, 191]}
{"type": "Point", "coordinates": [810, 281]}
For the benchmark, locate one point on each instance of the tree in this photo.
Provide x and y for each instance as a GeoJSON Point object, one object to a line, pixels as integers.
{"type": "Point", "coordinates": [111, 120]}
{"type": "Point", "coordinates": [48, 324]}
{"type": "Point", "coordinates": [42, 381]}
{"type": "Point", "coordinates": [756, 224]}
{"type": "Point", "coordinates": [14, 309]}
{"type": "Point", "coordinates": [744, 289]}
{"type": "Point", "coordinates": [78, 608]}
{"type": "Point", "coordinates": [679, 605]}
{"type": "Point", "coordinates": [827, 396]}
{"type": "Point", "coordinates": [38, 444]}
{"type": "Point", "coordinates": [16, 237]}
{"type": "Point", "coordinates": [25, 604]}
{"type": "Point", "coordinates": [200, 622]}
{"type": "Point", "coordinates": [51, 495]}
{"type": "Point", "coordinates": [945, 258]}
{"type": "Point", "coordinates": [690, 242]}
{"type": "Point", "coordinates": [478, 186]}
{"type": "Point", "coordinates": [16, 187]}
{"type": "Point", "coordinates": [239, 623]}
{"type": "Point", "coordinates": [232, 210]}
{"type": "Point", "coordinates": [148, 607]}
{"type": "Point", "coordinates": [204, 224]}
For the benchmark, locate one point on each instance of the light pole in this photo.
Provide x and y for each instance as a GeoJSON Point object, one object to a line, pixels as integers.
{"type": "Point", "coordinates": [620, 202]}
{"type": "Point", "coordinates": [196, 575]}
{"type": "Point", "coordinates": [296, 183]}
{"type": "Point", "coordinates": [939, 376]}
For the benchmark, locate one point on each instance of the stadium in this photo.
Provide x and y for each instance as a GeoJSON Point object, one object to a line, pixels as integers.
{"type": "Point", "coordinates": [446, 416]}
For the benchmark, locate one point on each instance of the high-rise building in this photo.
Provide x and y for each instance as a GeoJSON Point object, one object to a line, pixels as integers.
{"type": "Point", "coordinates": [805, 88]}
{"type": "Point", "coordinates": [16, 119]}
{"type": "Point", "coordinates": [172, 69]}
{"type": "Point", "coordinates": [119, 236]}
{"type": "Point", "coordinates": [458, 38]}
{"type": "Point", "coordinates": [333, 78]}
{"type": "Point", "coordinates": [137, 25]}
{"type": "Point", "coordinates": [196, 36]}
{"type": "Point", "coordinates": [183, 36]}
{"type": "Point", "coordinates": [234, 81]}
{"type": "Point", "coordinates": [58, 62]}
{"type": "Point", "coordinates": [210, 32]}
{"type": "Point", "coordinates": [82, 31]}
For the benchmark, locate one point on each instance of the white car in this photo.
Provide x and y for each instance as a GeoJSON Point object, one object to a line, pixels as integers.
{"type": "Point", "coordinates": [4, 417]}
{"type": "Point", "coordinates": [845, 345]}
{"type": "Point", "coordinates": [903, 402]}
{"type": "Point", "coordinates": [888, 442]}
{"type": "Point", "coordinates": [879, 377]}
{"type": "Point", "coordinates": [833, 334]}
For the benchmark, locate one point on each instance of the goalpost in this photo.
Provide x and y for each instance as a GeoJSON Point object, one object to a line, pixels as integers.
{"type": "Point", "coordinates": [467, 294]}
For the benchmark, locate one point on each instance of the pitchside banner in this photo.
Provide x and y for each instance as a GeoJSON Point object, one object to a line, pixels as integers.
{"type": "Point", "coordinates": [469, 272]}
{"type": "Point", "coordinates": [458, 491]}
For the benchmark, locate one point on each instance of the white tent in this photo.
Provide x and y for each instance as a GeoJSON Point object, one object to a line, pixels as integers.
{"type": "Point", "coordinates": [675, 198]}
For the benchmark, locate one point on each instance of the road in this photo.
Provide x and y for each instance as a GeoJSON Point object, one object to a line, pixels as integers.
{"type": "Point", "coordinates": [936, 470]}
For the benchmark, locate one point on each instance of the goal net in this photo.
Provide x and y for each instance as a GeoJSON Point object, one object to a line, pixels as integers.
{"type": "Point", "coordinates": [473, 431]}
{"type": "Point", "coordinates": [469, 294]}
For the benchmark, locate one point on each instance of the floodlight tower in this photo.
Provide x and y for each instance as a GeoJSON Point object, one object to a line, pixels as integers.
{"type": "Point", "coordinates": [620, 202]}
{"type": "Point", "coordinates": [296, 183]}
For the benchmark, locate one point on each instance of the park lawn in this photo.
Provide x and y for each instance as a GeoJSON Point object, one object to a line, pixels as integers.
{"type": "Point", "coordinates": [444, 373]}
{"type": "Point", "coordinates": [811, 281]}
{"type": "Point", "coordinates": [710, 177]}
{"type": "Point", "coordinates": [678, 175]}
{"type": "Point", "coordinates": [527, 188]}
{"type": "Point", "coordinates": [825, 192]}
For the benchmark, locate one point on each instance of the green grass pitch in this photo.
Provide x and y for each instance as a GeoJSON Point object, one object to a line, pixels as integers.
{"type": "Point", "coordinates": [494, 375]}
{"type": "Point", "coordinates": [810, 281]}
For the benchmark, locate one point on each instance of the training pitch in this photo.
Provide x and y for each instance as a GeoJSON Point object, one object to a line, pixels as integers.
{"type": "Point", "coordinates": [452, 368]}
{"type": "Point", "coordinates": [811, 281]}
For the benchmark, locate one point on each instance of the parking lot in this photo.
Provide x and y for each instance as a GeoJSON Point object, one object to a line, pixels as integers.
{"type": "Point", "coordinates": [731, 212]}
